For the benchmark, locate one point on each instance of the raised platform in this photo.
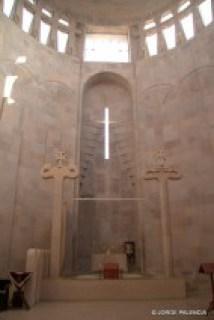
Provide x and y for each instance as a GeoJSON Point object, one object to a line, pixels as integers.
{"type": "Point", "coordinates": [66, 289]}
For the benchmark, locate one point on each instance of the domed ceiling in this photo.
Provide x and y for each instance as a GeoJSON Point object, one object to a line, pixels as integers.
{"type": "Point", "coordinates": [110, 11]}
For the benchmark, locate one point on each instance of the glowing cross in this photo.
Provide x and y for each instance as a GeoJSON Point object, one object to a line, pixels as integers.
{"type": "Point", "coordinates": [107, 134]}
{"type": "Point", "coordinates": [107, 123]}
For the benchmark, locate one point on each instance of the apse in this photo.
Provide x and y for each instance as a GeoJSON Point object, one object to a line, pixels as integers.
{"type": "Point", "coordinates": [107, 168]}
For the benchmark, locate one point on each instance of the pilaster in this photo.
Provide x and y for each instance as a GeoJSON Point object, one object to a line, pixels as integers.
{"type": "Point", "coordinates": [142, 42]}
{"type": "Point", "coordinates": [1, 5]}
{"type": "Point", "coordinates": [197, 21]}
{"type": "Point", "coordinates": [212, 5]}
{"type": "Point", "coordinates": [179, 33]}
{"type": "Point", "coordinates": [135, 41]}
{"type": "Point", "coordinates": [80, 39]}
{"type": "Point", "coordinates": [35, 30]}
{"type": "Point", "coordinates": [53, 33]}
{"type": "Point", "coordinates": [71, 48]}
{"type": "Point", "coordinates": [17, 14]}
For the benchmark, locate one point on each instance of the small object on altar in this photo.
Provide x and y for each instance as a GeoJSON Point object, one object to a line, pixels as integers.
{"type": "Point", "coordinates": [19, 280]}
{"type": "Point", "coordinates": [111, 271]}
{"type": "Point", "coordinates": [129, 250]}
{"type": "Point", "coordinates": [208, 268]}
{"type": "Point", "coordinates": [4, 293]}
{"type": "Point", "coordinates": [108, 252]}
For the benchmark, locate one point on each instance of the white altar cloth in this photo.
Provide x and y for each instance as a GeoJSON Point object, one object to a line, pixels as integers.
{"type": "Point", "coordinates": [98, 261]}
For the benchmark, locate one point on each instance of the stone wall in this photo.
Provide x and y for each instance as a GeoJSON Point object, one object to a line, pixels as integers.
{"type": "Point", "coordinates": [174, 112]}
{"type": "Point", "coordinates": [114, 220]}
{"type": "Point", "coordinates": [42, 121]}
{"type": "Point", "coordinates": [172, 99]}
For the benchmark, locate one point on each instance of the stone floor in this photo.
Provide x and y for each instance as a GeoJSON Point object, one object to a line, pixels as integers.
{"type": "Point", "coordinates": [109, 310]}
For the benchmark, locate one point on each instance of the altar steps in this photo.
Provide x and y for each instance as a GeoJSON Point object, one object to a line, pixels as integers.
{"type": "Point", "coordinates": [66, 289]}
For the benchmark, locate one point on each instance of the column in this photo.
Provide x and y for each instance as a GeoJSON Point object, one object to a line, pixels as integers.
{"type": "Point", "coordinates": [71, 48]}
{"type": "Point", "coordinates": [142, 40]}
{"type": "Point", "coordinates": [179, 33]}
{"type": "Point", "coordinates": [197, 21]}
{"type": "Point", "coordinates": [35, 30]}
{"type": "Point", "coordinates": [1, 5]}
{"type": "Point", "coordinates": [134, 40]}
{"type": "Point", "coordinates": [144, 45]}
{"type": "Point", "coordinates": [80, 38]}
{"type": "Point", "coordinates": [17, 14]}
{"type": "Point", "coordinates": [56, 231]}
{"type": "Point", "coordinates": [53, 33]}
{"type": "Point", "coordinates": [161, 41]}
{"type": "Point", "coordinates": [166, 227]}
{"type": "Point", "coordinates": [212, 4]}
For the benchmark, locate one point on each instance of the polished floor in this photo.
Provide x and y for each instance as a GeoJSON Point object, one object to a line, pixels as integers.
{"type": "Point", "coordinates": [193, 307]}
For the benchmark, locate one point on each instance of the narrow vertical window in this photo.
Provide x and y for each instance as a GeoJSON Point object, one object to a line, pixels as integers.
{"type": "Point", "coordinates": [107, 135]}
{"type": "Point", "coordinates": [205, 9]}
{"type": "Point", "coordinates": [169, 36]}
{"type": "Point", "coordinates": [8, 86]}
{"type": "Point", "coordinates": [187, 25]}
{"type": "Point", "coordinates": [27, 19]}
{"type": "Point", "coordinates": [152, 44]}
{"type": "Point", "coordinates": [8, 7]}
{"type": "Point", "coordinates": [62, 41]}
{"type": "Point", "coordinates": [45, 29]}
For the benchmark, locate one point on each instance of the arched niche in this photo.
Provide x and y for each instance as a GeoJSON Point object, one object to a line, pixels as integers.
{"type": "Point", "coordinates": [107, 223]}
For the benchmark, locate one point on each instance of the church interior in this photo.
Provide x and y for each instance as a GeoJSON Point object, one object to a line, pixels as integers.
{"type": "Point", "coordinates": [104, 108]}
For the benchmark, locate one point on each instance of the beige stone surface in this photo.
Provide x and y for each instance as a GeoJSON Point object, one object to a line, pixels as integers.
{"type": "Point", "coordinates": [63, 169]}
{"type": "Point", "coordinates": [169, 101]}
{"type": "Point", "coordinates": [116, 310]}
{"type": "Point", "coordinates": [122, 289]}
{"type": "Point", "coordinates": [37, 262]}
{"type": "Point", "coordinates": [112, 12]}
{"type": "Point", "coordinates": [162, 173]}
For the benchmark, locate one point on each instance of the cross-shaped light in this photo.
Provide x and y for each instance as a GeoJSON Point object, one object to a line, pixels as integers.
{"type": "Point", "coordinates": [107, 137]}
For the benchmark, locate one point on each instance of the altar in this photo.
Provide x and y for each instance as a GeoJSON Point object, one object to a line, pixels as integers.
{"type": "Point", "coordinates": [99, 260]}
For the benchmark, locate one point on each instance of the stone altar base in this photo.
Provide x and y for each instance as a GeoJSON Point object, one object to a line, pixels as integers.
{"type": "Point", "coordinates": [66, 289]}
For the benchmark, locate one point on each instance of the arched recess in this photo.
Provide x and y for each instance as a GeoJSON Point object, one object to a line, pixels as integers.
{"type": "Point", "coordinates": [106, 224]}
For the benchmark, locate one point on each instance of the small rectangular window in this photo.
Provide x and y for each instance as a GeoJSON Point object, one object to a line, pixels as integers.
{"type": "Point", "coordinates": [8, 7]}
{"type": "Point", "coordinates": [167, 16]}
{"type": "Point", "coordinates": [32, 1]}
{"type": "Point", "coordinates": [152, 44]}
{"type": "Point", "coordinates": [205, 9]}
{"type": "Point", "coordinates": [27, 19]}
{"type": "Point", "coordinates": [183, 6]}
{"type": "Point", "coordinates": [8, 86]}
{"type": "Point", "coordinates": [169, 35]}
{"type": "Point", "coordinates": [62, 41]}
{"type": "Point", "coordinates": [188, 27]}
{"type": "Point", "coordinates": [64, 22]}
{"type": "Point", "coordinates": [45, 29]}
{"type": "Point", "coordinates": [47, 13]}
{"type": "Point", "coordinates": [149, 25]}
{"type": "Point", "coordinates": [21, 60]}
